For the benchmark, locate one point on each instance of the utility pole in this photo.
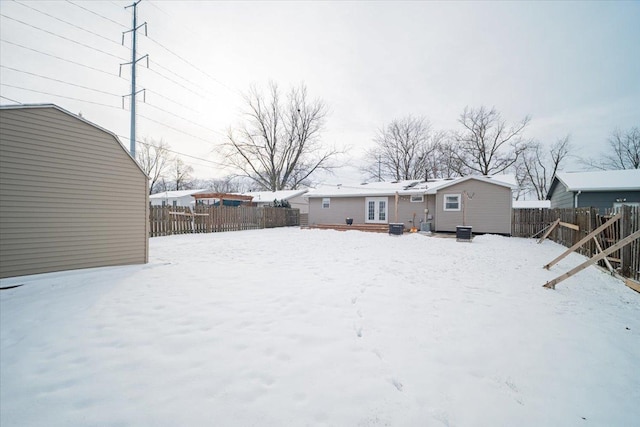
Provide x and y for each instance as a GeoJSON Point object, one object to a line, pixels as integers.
{"type": "Point", "coordinates": [134, 61]}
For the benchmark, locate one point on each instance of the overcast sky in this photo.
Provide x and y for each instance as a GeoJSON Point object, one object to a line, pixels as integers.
{"type": "Point", "coordinates": [574, 67]}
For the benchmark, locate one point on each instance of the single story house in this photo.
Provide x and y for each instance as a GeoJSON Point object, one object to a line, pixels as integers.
{"type": "Point", "coordinates": [295, 198]}
{"type": "Point", "coordinates": [227, 199]}
{"type": "Point", "coordinates": [599, 189]}
{"type": "Point", "coordinates": [71, 195]}
{"type": "Point", "coordinates": [482, 202]}
{"type": "Point", "coordinates": [174, 198]}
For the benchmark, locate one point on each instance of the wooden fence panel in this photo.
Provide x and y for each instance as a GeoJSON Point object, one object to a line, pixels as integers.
{"type": "Point", "coordinates": [167, 220]}
{"type": "Point", "coordinates": [532, 222]}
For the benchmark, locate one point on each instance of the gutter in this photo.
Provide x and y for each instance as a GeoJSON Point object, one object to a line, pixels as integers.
{"type": "Point", "coordinates": [575, 199]}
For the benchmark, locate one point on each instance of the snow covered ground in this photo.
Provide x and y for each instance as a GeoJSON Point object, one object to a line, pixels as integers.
{"type": "Point", "coordinates": [289, 327]}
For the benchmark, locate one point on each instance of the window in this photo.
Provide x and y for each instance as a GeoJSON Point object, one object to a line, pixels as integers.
{"type": "Point", "coordinates": [326, 202]}
{"type": "Point", "coordinates": [451, 202]}
{"type": "Point", "coordinates": [175, 203]}
{"type": "Point", "coordinates": [417, 198]}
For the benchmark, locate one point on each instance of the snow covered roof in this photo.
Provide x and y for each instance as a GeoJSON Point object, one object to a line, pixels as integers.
{"type": "Point", "coordinates": [403, 188]}
{"type": "Point", "coordinates": [530, 204]}
{"type": "Point", "coordinates": [601, 180]}
{"type": "Point", "coordinates": [175, 194]}
{"type": "Point", "coordinates": [270, 196]}
{"type": "Point", "coordinates": [502, 180]}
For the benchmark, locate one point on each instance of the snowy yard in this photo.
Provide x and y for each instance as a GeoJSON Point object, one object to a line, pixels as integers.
{"type": "Point", "coordinates": [289, 327]}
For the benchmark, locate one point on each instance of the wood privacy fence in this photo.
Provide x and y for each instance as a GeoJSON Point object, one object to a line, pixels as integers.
{"type": "Point", "coordinates": [167, 220]}
{"type": "Point", "coordinates": [626, 261]}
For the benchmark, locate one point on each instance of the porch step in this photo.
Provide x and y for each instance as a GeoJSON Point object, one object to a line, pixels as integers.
{"type": "Point", "coordinates": [373, 228]}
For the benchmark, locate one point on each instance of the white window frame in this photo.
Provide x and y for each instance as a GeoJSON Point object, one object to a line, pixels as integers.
{"type": "Point", "coordinates": [444, 203]}
{"type": "Point", "coordinates": [326, 202]}
{"type": "Point", "coordinates": [417, 198]}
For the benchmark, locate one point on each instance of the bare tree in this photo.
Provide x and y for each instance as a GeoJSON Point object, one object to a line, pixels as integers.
{"type": "Point", "coordinates": [279, 146]}
{"type": "Point", "coordinates": [227, 184]}
{"type": "Point", "coordinates": [444, 161]}
{"type": "Point", "coordinates": [406, 148]}
{"type": "Point", "coordinates": [624, 150]}
{"type": "Point", "coordinates": [486, 144]}
{"type": "Point", "coordinates": [181, 175]}
{"type": "Point", "coordinates": [154, 159]}
{"type": "Point", "coordinates": [536, 167]}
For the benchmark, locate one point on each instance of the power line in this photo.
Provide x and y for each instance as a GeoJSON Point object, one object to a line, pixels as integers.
{"type": "Point", "coordinates": [60, 81]}
{"type": "Point", "coordinates": [97, 14]}
{"type": "Point", "coordinates": [118, 108]}
{"type": "Point", "coordinates": [175, 152]}
{"type": "Point", "coordinates": [68, 23]}
{"type": "Point", "coordinates": [9, 99]}
{"type": "Point", "coordinates": [171, 100]}
{"type": "Point", "coordinates": [185, 119]}
{"type": "Point", "coordinates": [186, 61]}
{"type": "Point", "coordinates": [193, 65]}
{"type": "Point", "coordinates": [59, 96]}
{"type": "Point", "coordinates": [62, 37]}
{"type": "Point", "coordinates": [173, 128]}
{"type": "Point", "coordinates": [60, 58]}
{"type": "Point", "coordinates": [180, 77]}
{"type": "Point", "coordinates": [175, 82]}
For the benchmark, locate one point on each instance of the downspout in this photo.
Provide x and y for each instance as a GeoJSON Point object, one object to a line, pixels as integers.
{"type": "Point", "coordinates": [575, 199]}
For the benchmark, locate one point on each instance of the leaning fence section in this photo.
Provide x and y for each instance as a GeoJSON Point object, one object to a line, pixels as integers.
{"type": "Point", "coordinates": [577, 223]}
{"type": "Point", "coordinates": [168, 220]}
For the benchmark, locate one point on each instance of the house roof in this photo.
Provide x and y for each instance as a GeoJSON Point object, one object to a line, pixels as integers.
{"type": "Point", "coordinates": [175, 194]}
{"type": "Point", "coordinates": [620, 180]}
{"type": "Point", "coordinates": [530, 204]}
{"type": "Point", "coordinates": [403, 188]}
{"type": "Point", "coordinates": [77, 117]}
{"type": "Point", "coordinates": [270, 196]}
{"type": "Point", "coordinates": [222, 196]}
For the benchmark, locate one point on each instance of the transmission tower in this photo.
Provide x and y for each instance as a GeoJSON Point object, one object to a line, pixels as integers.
{"type": "Point", "coordinates": [134, 61]}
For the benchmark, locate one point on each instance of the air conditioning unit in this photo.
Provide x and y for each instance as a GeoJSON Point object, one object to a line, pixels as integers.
{"type": "Point", "coordinates": [425, 227]}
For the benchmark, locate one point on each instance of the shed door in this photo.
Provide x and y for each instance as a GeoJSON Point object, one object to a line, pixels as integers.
{"type": "Point", "coordinates": [376, 209]}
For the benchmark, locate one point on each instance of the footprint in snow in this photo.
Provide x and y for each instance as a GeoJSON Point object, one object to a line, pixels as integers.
{"type": "Point", "coordinates": [397, 384]}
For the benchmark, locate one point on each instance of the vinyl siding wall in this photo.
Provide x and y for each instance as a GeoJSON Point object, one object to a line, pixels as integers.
{"type": "Point", "coordinates": [70, 195]}
{"type": "Point", "coordinates": [355, 207]}
{"type": "Point", "coordinates": [605, 199]}
{"type": "Point", "coordinates": [406, 209]}
{"type": "Point", "coordinates": [489, 211]}
{"type": "Point", "coordinates": [340, 208]}
{"type": "Point", "coordinates": [560, 197]}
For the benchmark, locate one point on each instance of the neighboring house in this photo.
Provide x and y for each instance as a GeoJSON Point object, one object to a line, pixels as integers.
{"type": "Point", "coordinates": [295, 198]}
{"type": "Point", "coordinates": [531, 204]}
{"type": "Point", "coordinates": [71, 196]}
{"type": "Point", "coordinates": [174, 198]}
{"type": "Point", "coordinates": [601, 189]}
{"type": "Point", "coordinates": [479, 201]}
{"type": "Point", "coordinates": [227, 199]}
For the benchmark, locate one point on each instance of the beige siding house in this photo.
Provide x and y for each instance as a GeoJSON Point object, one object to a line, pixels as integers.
{"type": "Point", "coordinates": [481, 203]}
{"type": "Point", "coordinates": [71, 196]}
{"type": "Point", "coordinates": [484, 203]}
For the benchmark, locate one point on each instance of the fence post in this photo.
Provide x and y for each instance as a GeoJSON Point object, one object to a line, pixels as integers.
{"type": "Point", "coordinates": [625, 230]}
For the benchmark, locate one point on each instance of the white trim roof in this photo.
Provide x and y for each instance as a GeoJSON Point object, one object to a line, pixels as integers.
{"type": "Point", "coordinates": [270, 196]}
{"type": "Point", "coordinates": [175, 194]}
{"type": "Point", "coordinates": [620, 180]}
{"type": "Point", "coordinates": [403, 188]}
